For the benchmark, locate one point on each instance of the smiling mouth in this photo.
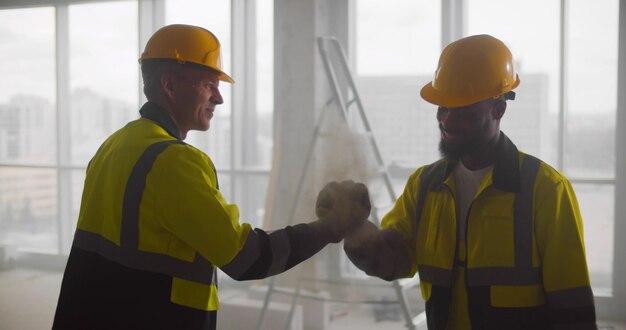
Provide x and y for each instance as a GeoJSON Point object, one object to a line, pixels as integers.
{"type": "Point", "coordinates": [447, 134]}
{"type": "Point", "coordinates": [450, 137]}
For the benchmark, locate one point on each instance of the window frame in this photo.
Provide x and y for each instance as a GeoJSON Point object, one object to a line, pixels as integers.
{"type": "Point", "coordinates": [151, 17]}
{"type": "Point", "coordinates": [608, 302]}
{"type": "Point", "coordinates": [454, 22]}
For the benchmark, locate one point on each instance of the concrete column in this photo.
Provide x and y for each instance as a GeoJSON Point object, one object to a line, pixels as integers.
{"type": "Point", "coordinates": [614, 307]}
{"type": "Point", "coordinates": [453, 20]}
{"type": "Point", "coordinates": [301, 90]}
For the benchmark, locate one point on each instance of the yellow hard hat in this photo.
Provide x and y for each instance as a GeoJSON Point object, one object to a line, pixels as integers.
{"type": "Point", "coordinates": [470, 70]}
{"type": "Point", "coordinates": [186, 43]}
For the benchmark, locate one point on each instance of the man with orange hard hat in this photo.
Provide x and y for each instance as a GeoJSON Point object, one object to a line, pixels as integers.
{"type": "Point", "coordinates": [153, 225]}
{"type": "Point", "coordinates": [494, 234]}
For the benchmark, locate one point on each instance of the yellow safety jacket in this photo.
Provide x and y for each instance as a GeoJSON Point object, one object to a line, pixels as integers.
{"type": "Point", "coordinates": [153, 227]}
{"type": "Point", "coordinates": [525, 258]}
{"type": "Point", "coordinates": [156, 218]}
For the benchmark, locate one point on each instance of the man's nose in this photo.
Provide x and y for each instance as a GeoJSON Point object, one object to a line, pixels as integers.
{"type": "Point", "coordinates": [216, 98]}
{"type": "Point", "coordinates": [445, 115]}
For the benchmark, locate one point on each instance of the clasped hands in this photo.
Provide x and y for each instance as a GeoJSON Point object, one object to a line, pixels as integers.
{"type": "Point", "coordinates": [341, 207]}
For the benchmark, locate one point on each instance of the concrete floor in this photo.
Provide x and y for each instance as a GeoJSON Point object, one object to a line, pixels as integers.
{"type": "Point", "coordinates": [29, 298]}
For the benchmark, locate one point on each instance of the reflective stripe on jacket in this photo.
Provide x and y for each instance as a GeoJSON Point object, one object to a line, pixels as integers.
{"type": "Point", "coordinates": [151, 230]}
{"type": "Point", "coordinates": [151, 203]}
{"type": "Point", "coordinates": [525, 267]}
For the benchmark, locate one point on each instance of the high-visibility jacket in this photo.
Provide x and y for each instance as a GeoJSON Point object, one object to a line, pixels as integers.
{"type": "Point", "coordinates": [525, 264]}
{"type": "Point", "coordinates": [152, 228]}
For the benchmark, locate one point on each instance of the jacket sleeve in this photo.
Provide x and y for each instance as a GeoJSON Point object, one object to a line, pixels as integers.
{"type": "Point", "coordinates": [269, 253]}
{"type": "Point", "coordinates": [196, 212]}
{"type": "Point", "coordinates": [401, 218]}
{"type": "Point", "coordinates": [559, 235]}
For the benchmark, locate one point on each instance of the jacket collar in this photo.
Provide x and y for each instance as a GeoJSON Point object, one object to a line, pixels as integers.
{"type": "Point", "coordinates": [506, 174]}
{"type": "Point", "coordinates": [157, 114]}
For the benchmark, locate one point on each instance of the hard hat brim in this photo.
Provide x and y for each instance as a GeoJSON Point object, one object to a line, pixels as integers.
{"type": "Point", "coordinates": [432, 95]}
{"type": "Point", "coordinates": [226, 78]}
{"type": "Point", "coordinates": [221, 75]}
{"type": "Point", "coordinates": [188, 45]}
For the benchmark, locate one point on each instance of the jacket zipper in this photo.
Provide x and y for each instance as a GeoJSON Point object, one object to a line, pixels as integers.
{"type": "Point", "coordinates": [456, 248]}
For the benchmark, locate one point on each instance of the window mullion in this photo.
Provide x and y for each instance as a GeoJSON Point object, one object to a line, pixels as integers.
{"type": "Point", "coordinates": [151, 17]}
{"type": "Point", "coordinates": [243, 115]}
{"type": "Point", "coordinates": [619, 265]}
{"type": "Point", "coordinates": [562, 110]}
{"type": "Point", "coordinates": [64, 202]}
{"type": "Point", "coordinates": [453, 20]}
{"type": "Point", "coordinates": [237, 31]}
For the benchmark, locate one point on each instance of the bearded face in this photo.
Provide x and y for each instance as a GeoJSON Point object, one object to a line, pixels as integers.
{"type": "Point", "coordinates": [466, 130]}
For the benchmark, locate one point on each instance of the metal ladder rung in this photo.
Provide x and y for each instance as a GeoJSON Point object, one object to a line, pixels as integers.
{"type": "Point", "coordinates": [382, 170]}
{"type": "Point", "coordinates": [364, 128]}
{"type": "Point", "coordinates": [407, 283]}
{"type": "Point", "coordinates": [383, 206]}
{"type": "Point", "coordinates": [367, 134]}
{"type": "Point", "coordinates": [419, 319]}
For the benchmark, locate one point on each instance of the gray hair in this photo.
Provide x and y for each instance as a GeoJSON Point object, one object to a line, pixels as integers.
{"type": "Point", "coordinates": [151, 72]}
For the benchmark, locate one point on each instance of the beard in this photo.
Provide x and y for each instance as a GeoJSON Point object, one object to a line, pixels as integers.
{"type": "Point", "coordinates": [470, 144]}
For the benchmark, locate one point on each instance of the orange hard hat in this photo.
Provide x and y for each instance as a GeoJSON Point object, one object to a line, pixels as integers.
{"type": "Point", "coordinates": [470, 70]}
{"type": "Point", "coordinates": [186, 43]}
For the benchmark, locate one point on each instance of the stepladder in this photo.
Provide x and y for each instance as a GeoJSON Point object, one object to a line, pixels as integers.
{"type": "Point", "coordinates": [349, 108]}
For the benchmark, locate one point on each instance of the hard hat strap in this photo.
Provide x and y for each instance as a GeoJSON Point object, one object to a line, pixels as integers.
{"type": "Point", "coordinates": [510, 95]}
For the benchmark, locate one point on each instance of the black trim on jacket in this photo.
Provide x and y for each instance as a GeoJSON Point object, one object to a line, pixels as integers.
{"type": "Point", "coordinates": [157, 114]}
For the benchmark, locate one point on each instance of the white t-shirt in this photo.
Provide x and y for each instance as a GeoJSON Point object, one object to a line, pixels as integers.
{"type": "Point", "coordinates": [467, 183]}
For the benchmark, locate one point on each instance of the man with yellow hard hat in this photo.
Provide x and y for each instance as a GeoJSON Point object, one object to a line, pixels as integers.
{"type": "Point", "coordinates": [153, 225]}
{"type": "Point", "coordinates": [494, 234]}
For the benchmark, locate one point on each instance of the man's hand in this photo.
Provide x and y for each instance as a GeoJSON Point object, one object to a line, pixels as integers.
{"type": "Point", "coordinates": [381, 253]}
{"type": "Point", "coordinates": [342, 207]}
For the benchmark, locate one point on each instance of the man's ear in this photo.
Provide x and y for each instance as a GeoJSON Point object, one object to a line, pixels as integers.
{"type": "Point", "coordinates": [499, 109]}
{"type": "Point", "coordinates": [168, 85]}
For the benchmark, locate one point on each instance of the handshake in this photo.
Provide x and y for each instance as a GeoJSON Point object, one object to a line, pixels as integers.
{"type": "Point", "coordinates": [341, 207]}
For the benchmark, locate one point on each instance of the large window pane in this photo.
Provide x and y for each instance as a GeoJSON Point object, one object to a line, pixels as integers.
{"type": "Point", "coordinates": [530, 120]}
{"type": "Point", "coordinates": [28, 209]}
{"type": "Point", "coordinates": [214, 16]}
{"type": "Point", "coordinates": [591, 88]}
{"type": "Point", "coordinates": [397, 48]}
{"type": "Point", "coordinates": [28, 86]}
{"type": "Point", "coordinates": [251, 198]}
{"type": "Point", "coordinates": [597, 206]}
{"type": "Point", "coordinates": [77, 181]}
{"type": "Point", "coordinates": [397, 37]}
{"type": "Point", "coordinates": [264, 82]}
{"type": "Point", "coordinates": [103, 73]}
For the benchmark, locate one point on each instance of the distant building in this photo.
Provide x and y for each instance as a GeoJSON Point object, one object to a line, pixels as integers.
{"type": "Point", "coordinates": [527, 119]}
{"type": "Point", "coordinates": [405, 126]}
{"type": "Point", "coordinates": [93, 118]}
{"type": "Point", "coordinates": [28, 196]}
{"type": "Point", "coordinates": [27, 126]}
